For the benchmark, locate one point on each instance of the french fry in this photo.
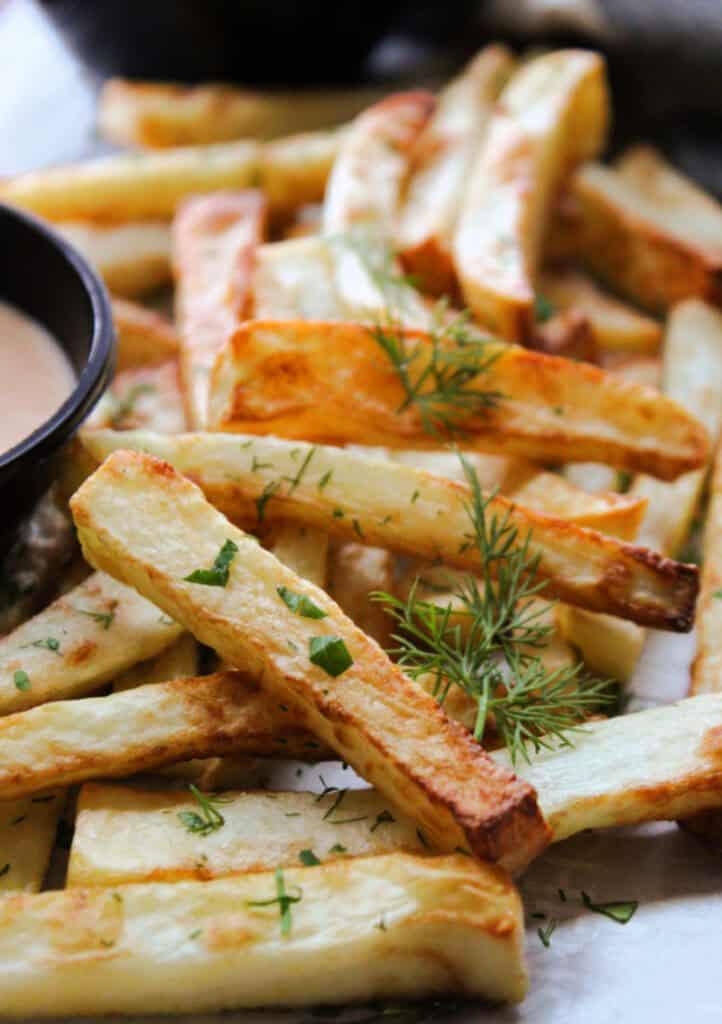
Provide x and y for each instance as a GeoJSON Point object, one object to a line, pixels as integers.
{"type": "Point", "coordinates": [448, 924]}
{"type": "Point", "coordinates": [659, 764]}
{"type": "Point", "coordinates": [373, 161]}
{"type": "Point", "coordinates": [551, 115]}
{"type": "Point", "coordinates": [693, 378]}
{"type": "Point", "coordinates": [647, 766]}
{"type": "Point", "coordinates": [296, 280]}
{"type": "Point", "coordinates": [303, 550]}
{"type": "Point", "coordinates": [331, 382]}
{"type": "Point", "coordinates": [181, 660]}
{"type": "Point", "coordinates": [707, 666]}
{"type": "Point", "coordinates": [132, 258]}
{"type": "Point", "coordinates": [610, 647]}
{"type": "Point", "coordinates": [615, 326]}
{"type": "Point", "coordinates": [567, 333]}
{"type": "Point", "coordinates": [149, 186]}
{"type": "Point", "coordinates": [142, 397]}
{"type": "Point", "coordinates": [355, 573]}
{"type": "Point", "coordinates": [79, 642]}
{"type": "Point", "coordinates": [144, 337]}
{"type": "Point", "coordinates": [369, 712]}
{"type": "Point", "coordinates": [394, 506]}
{"type": "Point", "coordinates": [214, 243]}
{"type": "Point", "coordinates": [652, 236]}
{"type": "Point", "coordinates": [159, 115]}
{"type": "Point", "coordinates": [442, 160]}
{"type": "Point", "coordinates": [146, 728]}
{"type": "Point", "coordinates": [262, 831]}
{"type": "Point", "coordinates": [27, 837]}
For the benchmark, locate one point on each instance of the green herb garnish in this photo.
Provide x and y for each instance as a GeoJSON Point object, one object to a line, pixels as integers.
{"type": "Point", "coordinates": [300, 604]}
{"type": "Point", "coordinates": [217, 575]}
{"type": "Point", "coordinates": [330, 653]}
{"type": "Point", "coordinates": [384, 818]}
{"type": "Point", "coordinates": [308, 858]}
{"type": "Point", "coordinates": [209, 819]}
{"type": "Point", "coordinates": [546, 933]}
{"type": "Point", "coordinates": [283, 899]}
{"type": "Point", "coordinates": [620, 911]}
{"type": "Point", "coordinates": [544, 308]}
{"type": "Point", "coordinates": [262, 500]}
{"type": "Point", "coordinates": [104, 619]}
{"type": "Point", "coordinates": [21, 680]}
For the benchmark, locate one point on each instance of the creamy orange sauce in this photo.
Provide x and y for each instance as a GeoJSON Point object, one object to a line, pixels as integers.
{"type": "Point", "coordinates": [35, 376]}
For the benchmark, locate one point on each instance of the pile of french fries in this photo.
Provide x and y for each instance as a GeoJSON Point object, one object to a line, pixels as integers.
{"type": "Point", "coordinates": [263, 433]}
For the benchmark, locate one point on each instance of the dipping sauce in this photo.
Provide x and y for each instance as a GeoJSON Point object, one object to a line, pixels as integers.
{"type": "Point", "coordinates": [35, 374]}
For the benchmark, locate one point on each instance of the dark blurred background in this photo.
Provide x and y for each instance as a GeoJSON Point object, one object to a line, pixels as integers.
{"type": "Point", "coordinates": [665, 58]}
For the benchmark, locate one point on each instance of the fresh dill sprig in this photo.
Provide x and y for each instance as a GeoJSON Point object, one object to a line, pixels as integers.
{"type": "Point", "coordinates": [284, 900]}
{"type": "Point", "coordinates": [494, 652]}
{"type": "Point", "coordinates": [440, 379]}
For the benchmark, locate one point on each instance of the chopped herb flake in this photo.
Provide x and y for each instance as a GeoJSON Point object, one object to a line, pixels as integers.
{"type": "Point", "coordinates": [283, 899]}
{"type": "Point", "coordinates": [21, 680]}
{"type": "Point", "coordinates": [325, 479]}
{"type": "Point", "coordinates": [308, 858]}
{"type": "Point", "coordinates": [300, 604]}
{"type": "Point", "coordinates": [262, 500]}
{"type": "Point", "coordinates": [217, 575]}
{"type": "Point", "coordinates": [620, 911]}
{"type": "Point", "coordinates": [209, 819]}
{"type": "Point", "coordinates": [545, 934]}
{"type": "Point", "coordinates": [384, 818]}
{"type": "Point", "coordinates": [330, 653]}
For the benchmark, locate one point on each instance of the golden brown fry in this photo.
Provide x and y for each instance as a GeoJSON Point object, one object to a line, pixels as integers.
{"type": "Point", "coordinates": [131, 258]}
{"type": "Point", "coordinates": [441, 160]}
{"type": "Point", "coordinates": [551, 115]}
{"type": "Point", "coordinates": [609, 647]}
{"type": "Point", "coordinates": [143, 729]}
{"type": "Point", "coordinates": [615, 326]}
{"type": "Point", "coordinates": [355, 573]}
{"type": "Point", "coordinates": [420, 926]}
{"type": "Point", "coordinates": [214, 244]}
{"type": "Point", "coordinates": [394, 506]}
{"type": "Point", "coordinates": [657, 239]}
{"type": "Point", "coordinates": [27, 837]}
{"type": "Point", "coordinates": [331, 382]}
{"type": "Point", "coordinates": [164, 114]}
{"type": "Point", "coordinates": [368, 711]}
{"type": "Point", "coordinates": [144, 337]}
{"type": "Point", "coordinates": [707, 667]}
{"type": "Point", "coordinates": [179, 661]}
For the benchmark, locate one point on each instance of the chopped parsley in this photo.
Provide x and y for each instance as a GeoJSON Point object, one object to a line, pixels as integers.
{"type": "Point", "coordinates": [294, 481]}
{"type": "Point", "coordinates": [49, 643]}
{"type": "Point", "coordinates": [300, 604]}
{"type": "Point", "coordinates": [308, 858]}
{"type": "Point", "coordinates": [338, 848]}
{"type": "Point", "coordinates": [104, 619]}
{"type": "Point", "coordinates": [21, 680]}
{"type": "Point", "coordinates": [217, 575]}
{"type": "Point", "coordinates": [330, 653]}
{"type": "Point", "coordinates": [262, 500]}
{"type": "Point", "coordinates": [325, 479]}
{"type": "Point", "coordinates": [545, 934]}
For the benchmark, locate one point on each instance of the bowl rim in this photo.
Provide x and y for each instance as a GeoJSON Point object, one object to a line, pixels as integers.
{"type": "Point", "coordinates": [95, 375]}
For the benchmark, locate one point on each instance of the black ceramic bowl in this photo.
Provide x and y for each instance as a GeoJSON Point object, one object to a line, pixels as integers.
{"type": "Point", "coordinates": [45, 277]}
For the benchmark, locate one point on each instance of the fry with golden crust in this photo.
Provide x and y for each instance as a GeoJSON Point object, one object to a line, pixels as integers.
{"type": "Point", "coordinates": [442, 158]}
{"type": "Point", "coordinates": [132, 258]}
{"type": "Point", "coordinates": [551, 115]}
{"type": "Point", "coordinates": [146, 728]}
{"type": "Point", "coordinates": [159, 115]}
{"type": "Point", "coordinates": [214, 244]}
{"type": "Point", "coordinates": [27, 837]}
{"type": "Point", "coordinates": [615, 326]}
{"type": "Point", "coordinates": [331, 382]}
{"type": "Point", "coordinates": [144, 337]}
{"type": "Point", "coordinates": [82, 640]}
{"type": "Point", "coordinates": [141, 519]}
{"type": "Point", "coordinates": [648, 231]}
{"type": "Point", "coordinates": [420, 926]}
{"type": "Point", "coordinates": [397, 507]}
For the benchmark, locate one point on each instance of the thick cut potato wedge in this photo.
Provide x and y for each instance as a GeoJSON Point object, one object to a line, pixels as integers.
{"type": "Point", "coordinates": [214, 244]}
{"type": "Point", "coordinates": [143, 397]}
{"type": "Point", "coordinates": [144, 337]}
{"type": "Point", "coordinates": [615, 326]}
{"type": "Point", "coordinates": [131, 258]}
{"type": "Point", "coordinates": [295, 280]}
{"type": "Point", "coordinates": [125, 834]}
{"type": "Point", "coordinates": [372, 163]}
{"type": "Point", "coordinates": [397, 507]}
{"type": "Point", "coordinates": [79, 642]}
{"type": "Point", "coordinates": [146, 728]}
{"type": "Point", "coordinates": [179, 661]}
{"type": "Point", "coordinates": [388, 927]}
{"type": "Point", "coordinates": [27, 837]}
{"type": "Point", "coordinates": [159, 115]}
{"type": "Point", "coordinates": [442, 159]}
{"type": "Point", "coordinates": [140, 518]}
{"type": "Point", "coordinates": [551, 115]}
{"type": "Point", "coordinates": [707, 667]}
{"type": "Point", "coordinates": [655, 238]}
{"type": "Point", "coordinates": [664, 763]}
{"type": "Point", "coordinates": [331, 382]}
{"type": "Point", "coordinates": [693, 378]}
